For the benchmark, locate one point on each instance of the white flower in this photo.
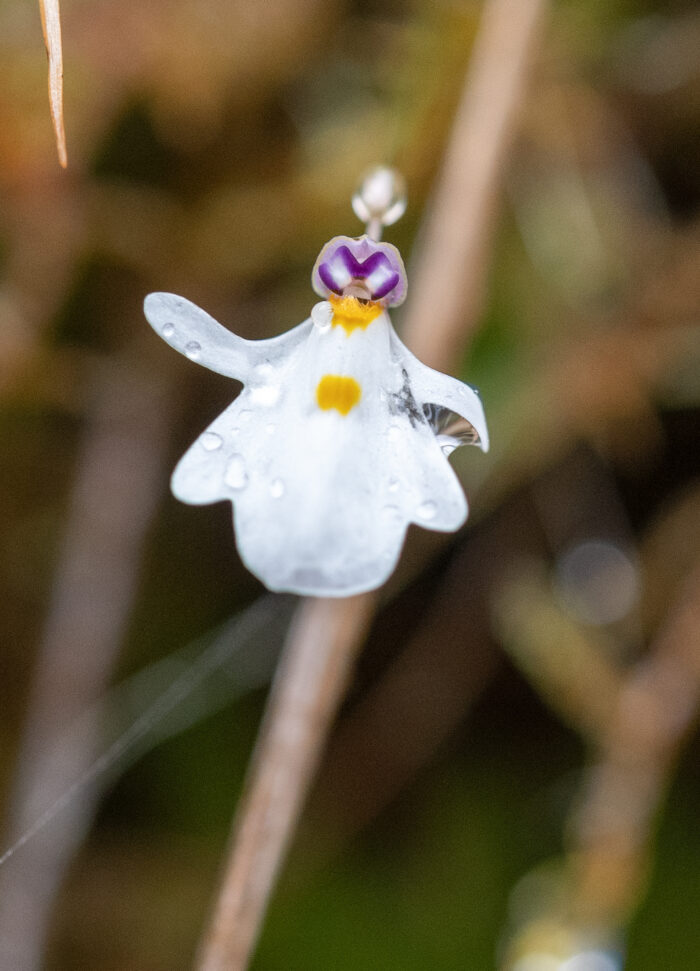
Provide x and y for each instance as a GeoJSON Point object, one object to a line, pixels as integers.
{"type": "Point", "coordinates": [330, 450]}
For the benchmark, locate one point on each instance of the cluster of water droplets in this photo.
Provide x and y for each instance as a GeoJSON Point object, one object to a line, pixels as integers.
{"type": "Point", "coordinates": [263, 392]}
{"type": "Point", "coordinates": [193, 349]}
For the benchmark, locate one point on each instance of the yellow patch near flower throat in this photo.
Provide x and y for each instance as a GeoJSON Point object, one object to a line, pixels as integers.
{"type": "Point", "coordinates": [339, 392]}
{"type": "Point", "coordinates": [351, 313]}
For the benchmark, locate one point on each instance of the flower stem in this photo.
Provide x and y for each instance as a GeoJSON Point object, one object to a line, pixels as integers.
{"type": "Point", "coordinates": [327, 635]}
{"type": "Point", "coordinates": [310, 681]}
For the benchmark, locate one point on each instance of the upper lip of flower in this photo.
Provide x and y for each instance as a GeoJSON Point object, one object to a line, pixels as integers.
{"type": "Point", "coordinates": [348, 266]}
{"type": "Point", "coordinates": [335, 271]}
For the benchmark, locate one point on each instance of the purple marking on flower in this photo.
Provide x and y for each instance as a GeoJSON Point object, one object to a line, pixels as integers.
{"type": "Point", "coordinates": [345, 261]}
{"type": "Point", "coordinates": [342, 268]}
{"type": "Point", "coordinates": [329, 278]}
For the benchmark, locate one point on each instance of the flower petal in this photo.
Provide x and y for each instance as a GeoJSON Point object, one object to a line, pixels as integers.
{"type": "Point", "coordinates": [434, 387]}
{"type": "Point", "coordinates": [194, 333]}
{"type": "Point", "coordinates": [327, 454]}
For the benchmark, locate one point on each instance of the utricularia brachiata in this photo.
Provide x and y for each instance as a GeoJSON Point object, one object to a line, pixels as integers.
{"type": "Point", "coordinates": [340, 436]}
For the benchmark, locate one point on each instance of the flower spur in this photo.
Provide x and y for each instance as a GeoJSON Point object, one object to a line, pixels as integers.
{"type": "Point", "coordinates": [332, 448]}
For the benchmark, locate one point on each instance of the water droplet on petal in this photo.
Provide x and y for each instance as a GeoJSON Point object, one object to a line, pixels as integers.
{"type": "Point", "coordinates": [427, 510]}
{"type": "Point", "coordinates": [393, 485]}
{"type": "Point", "coordinates": [322, 316]}
{"type": "Point", "coordinates": [264, 371]}
{"type": "Point", "coordinates": [235, 430]}
{"type": "Point", "coordinates": [236, 476]}
{"type": "Point", "coordinates": [277, 488]}
{"type": "Point", "coordinates": [270, 429]}
{"type": "Point", "coordinates": [211, 441]}
{"type": "Point", "coordinates": [394, 433]}
{"type": "Point", "coordinates": [193, 349]}
{"type": "Point", "coordinates": [266, 396]}
{"type": "Point", "coordinates": [448, 443]}
{"type": "Point", "coordinates": [244, 415]}
{"type": "Point", "coordinates": [168, 330]}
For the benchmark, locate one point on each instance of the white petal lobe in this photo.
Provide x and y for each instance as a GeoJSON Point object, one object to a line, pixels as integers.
{"type": "Point", "coordinates": [326, 455]}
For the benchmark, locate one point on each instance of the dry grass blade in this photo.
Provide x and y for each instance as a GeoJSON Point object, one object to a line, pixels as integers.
{"type": "Point", "coordinates": [51, 25]}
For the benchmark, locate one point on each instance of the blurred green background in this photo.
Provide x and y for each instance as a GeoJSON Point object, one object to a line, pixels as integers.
{"type": "Point", "coordinates": [214, 146]}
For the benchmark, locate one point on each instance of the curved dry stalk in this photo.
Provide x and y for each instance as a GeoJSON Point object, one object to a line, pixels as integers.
{"type": "Point", "coordinates": [112, 504]}
{"type": "Point", "coordinates": [323, 642]}
{"type": "Point", "coordinates": [51, 25]}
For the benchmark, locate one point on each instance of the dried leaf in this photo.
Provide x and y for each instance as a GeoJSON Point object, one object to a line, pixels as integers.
{"type": "Point", "coordinates": [51, 25]}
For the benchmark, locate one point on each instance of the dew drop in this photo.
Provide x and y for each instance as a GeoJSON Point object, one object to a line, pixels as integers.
{"type": "Point", "coordinates": [193, 349]}
{"type": "Point", "coordinates": [211, 441]}
{"type": "Point", "coordinates": [322, 316]}
{"type": "Point", "coordinates": [277, 488]}
{"type": "Point", "coordinates": [168, 330]}
{"type": "Point", "coordinates": [393, 485]}
{"type": "Point", "coordinates": [427, 510]}
{"type": "Point", "coordinates": [244, 415]}
{"type": "Point", "coordinates": [270, 429]}
{"type": "Point", "coordinates": [235, 430]}
{"type": "Point", "coordinates": [266, 396]}
{"type": "Point", "coordinates": [236, 476]}
{"type": "Point", "coordinates": [394, 433]}
{"type": "Point", "coordinates": [264, 371]}
{"type": "Point", "coordinates": [448, 443]}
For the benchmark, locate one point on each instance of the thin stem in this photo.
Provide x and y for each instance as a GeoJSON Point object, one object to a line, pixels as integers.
{"type": "Point", "coordinates": [374, 228]}
{"type": "Point", "coordinates": [308, 687]}
{"type": "Point", "coordinates": [327, 635]}
{"type": "Point", "coordinates": [449, 280]}
{"type": "Point", "coordinates": [656, 709]}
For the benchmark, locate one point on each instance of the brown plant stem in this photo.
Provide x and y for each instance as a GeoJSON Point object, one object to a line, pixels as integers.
{"type": "Point", "coordinates": [449, 281]}
{"type": "Point", "coordinates": [327, 635]}
{"type": "Point", "coordinates": [112, 503]}
{"type": "Point", "coordinates": [309, 684]}
{"type": "Point", "coordinates": [656, 708]}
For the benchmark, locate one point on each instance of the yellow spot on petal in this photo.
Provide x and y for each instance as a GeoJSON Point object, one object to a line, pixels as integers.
{"type": "Point", "coordinates": [351, 313]}
{"type": "Point", "coordinates": [339, 392]}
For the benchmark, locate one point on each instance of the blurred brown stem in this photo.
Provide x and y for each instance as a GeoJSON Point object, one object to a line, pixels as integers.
{"type": "Point", "coordinates": [307, 690]}
{"type": "Point", "coordinates": [656, 708]}
{"type": "Point", "coordinates": [113, 499]}
{"type": "Point", "coordinates": [449, 281]}
{"type": "Point", "coordinates": [325, 639]}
